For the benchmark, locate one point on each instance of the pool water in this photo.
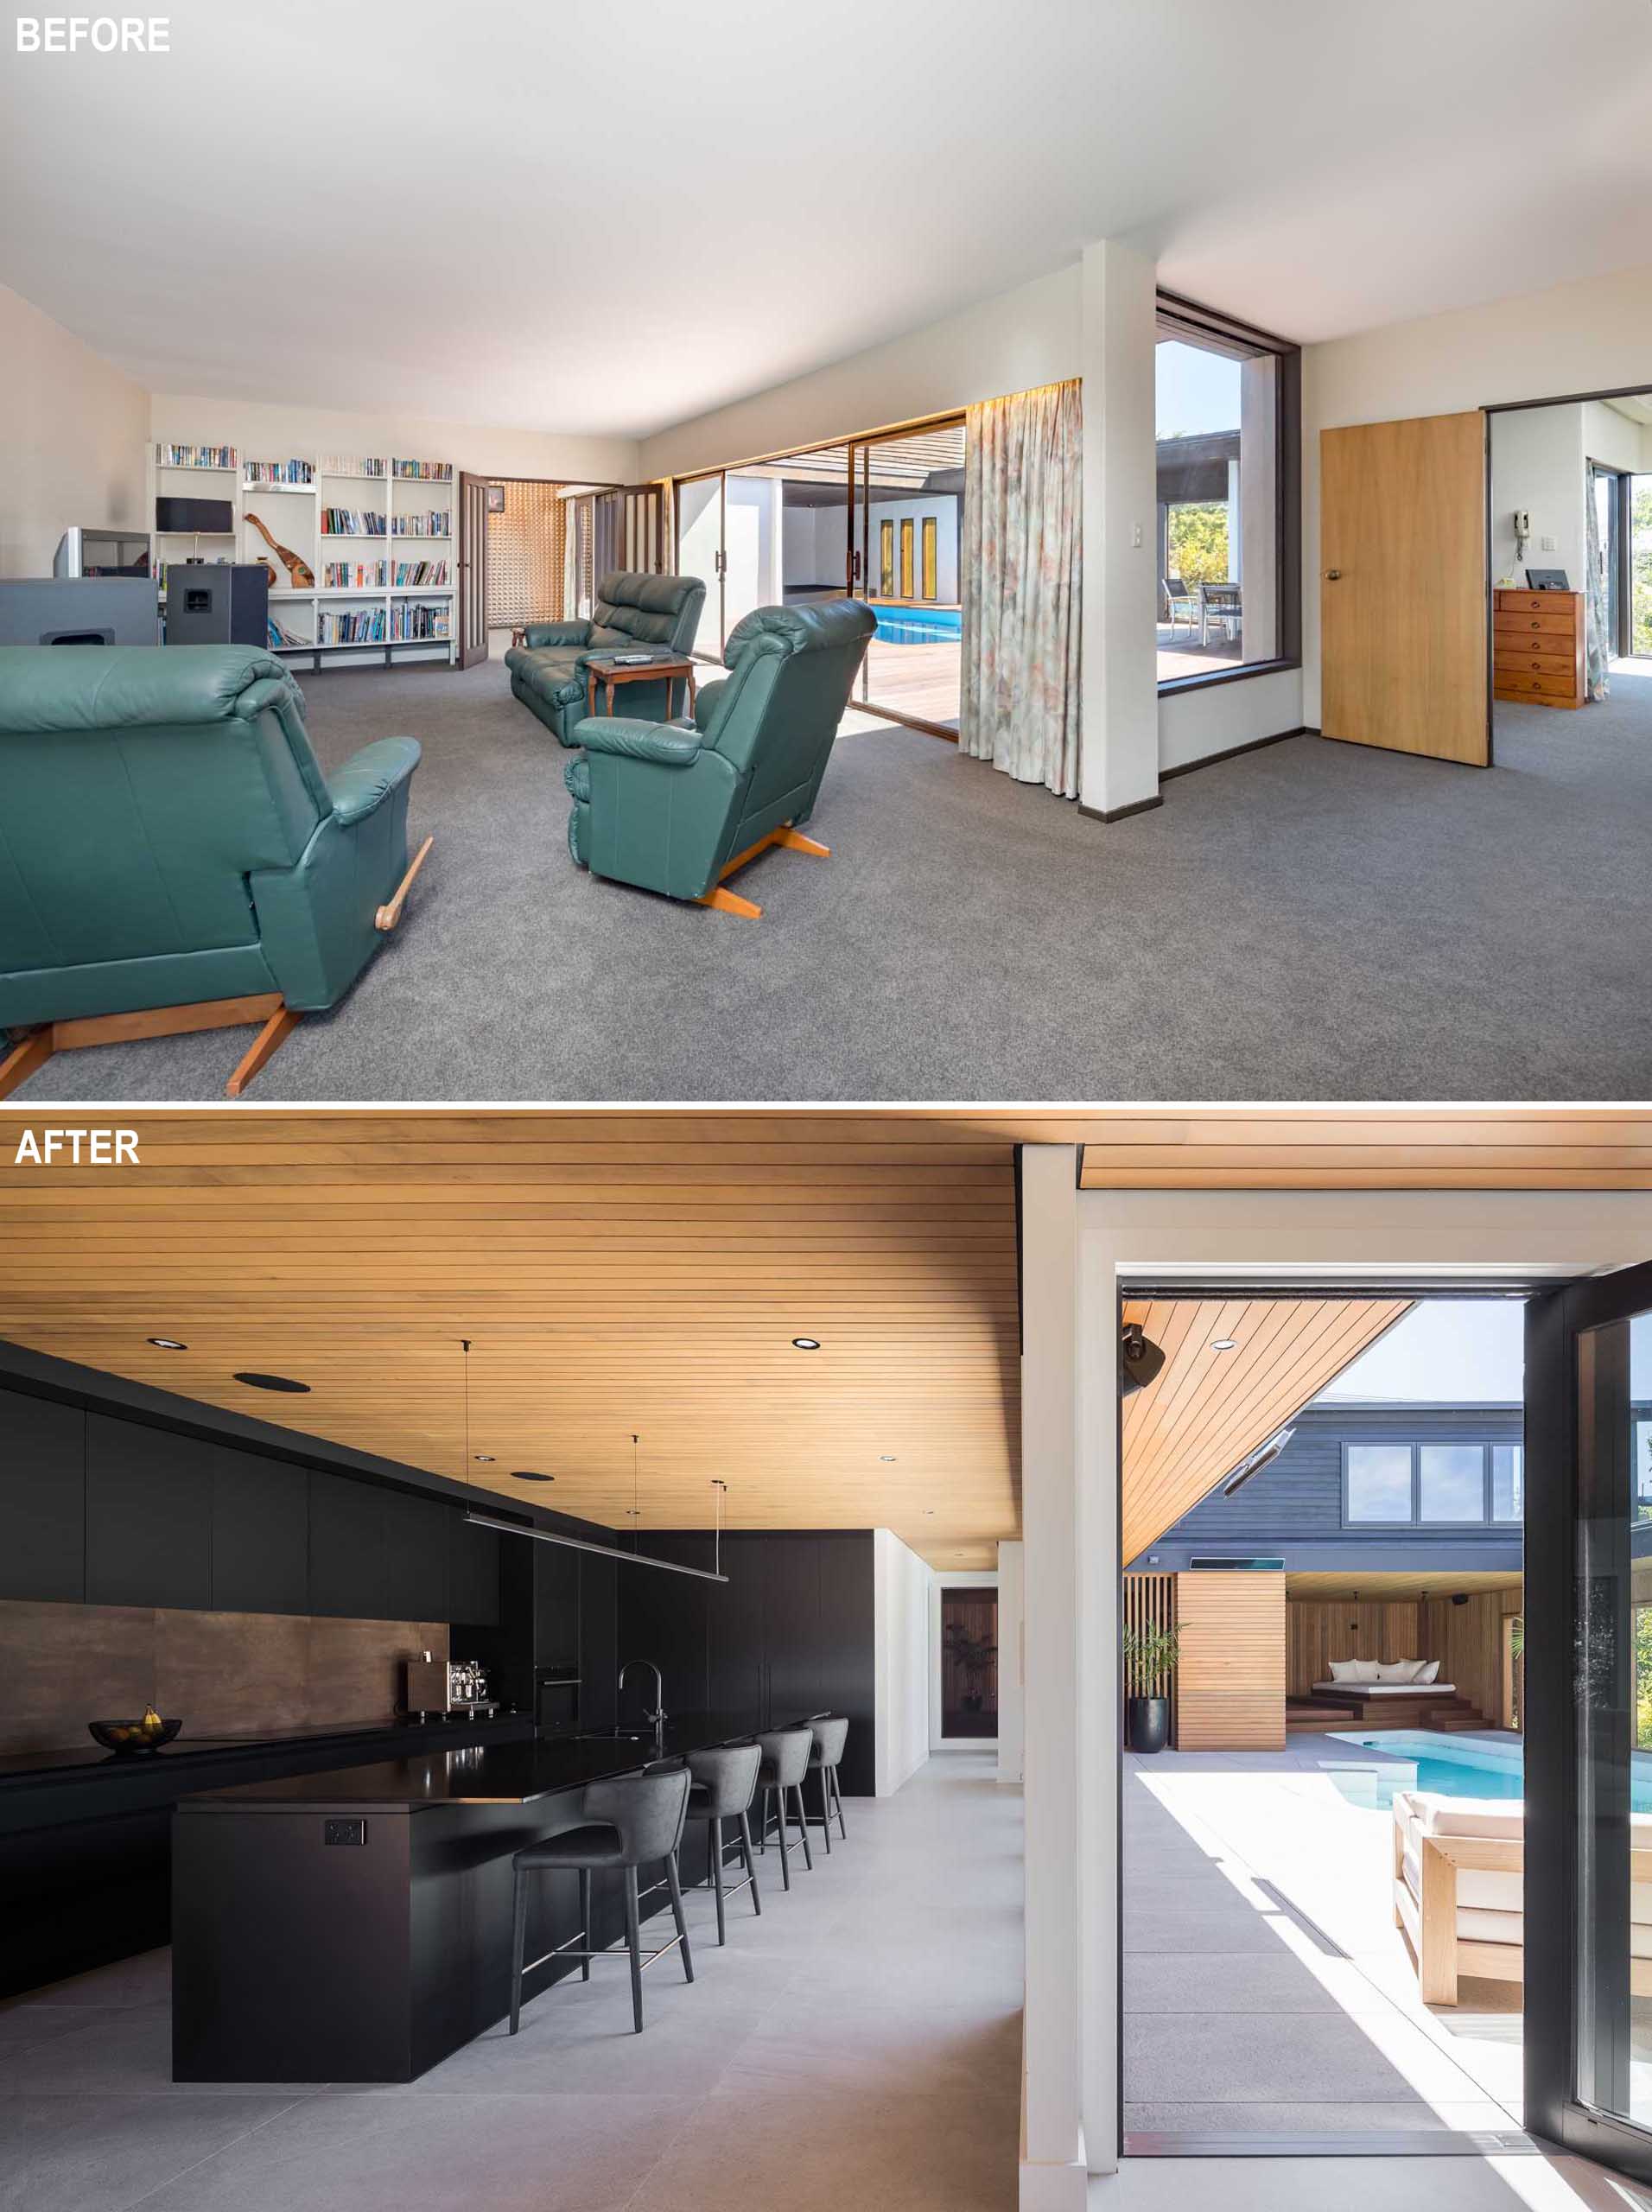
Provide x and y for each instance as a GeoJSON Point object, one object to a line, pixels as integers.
{"type": "Point", "coordinates": [918, 625]}
{"type": "Point", "coordinates": [1451, 1766]}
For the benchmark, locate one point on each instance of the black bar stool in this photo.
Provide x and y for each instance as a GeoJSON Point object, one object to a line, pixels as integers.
{"type": "Point", "coordinates": [831, 1734]}
{"type": "Point", "coordinates": [785, 1761]}
{"type": "Point", "coordinates": [724, 1784]}
{"type": "Point", "coordinates": [628, 1822]}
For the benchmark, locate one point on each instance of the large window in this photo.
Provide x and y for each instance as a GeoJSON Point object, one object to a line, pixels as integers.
{"type": "Point", "coordinates": [1226, 534]}
{"type": "Point", "coordinates": [1433, 1485]}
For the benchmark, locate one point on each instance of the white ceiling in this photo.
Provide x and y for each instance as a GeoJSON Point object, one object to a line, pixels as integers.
{"type": "Point", "coordinates": [576, 216]}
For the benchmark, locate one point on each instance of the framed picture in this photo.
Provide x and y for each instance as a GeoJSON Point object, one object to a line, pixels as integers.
{"type": "Point", "coordinates": [1546, 579]}
{"type": "Point", "coordinates": [496, 498]}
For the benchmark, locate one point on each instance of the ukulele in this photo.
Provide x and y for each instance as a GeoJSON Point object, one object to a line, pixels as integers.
{"type": "Point", "coordinates": [302, 576]}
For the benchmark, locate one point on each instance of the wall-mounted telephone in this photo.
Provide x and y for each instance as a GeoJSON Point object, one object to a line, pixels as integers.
{"type": "Point", "coordinates": [1522, 522]}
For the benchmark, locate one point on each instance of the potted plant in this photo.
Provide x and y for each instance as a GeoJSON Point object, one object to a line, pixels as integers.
{"type": "Point", "coordinates": [1150, 1655]}
{"type": "Point", "coordinates": [974, 1654]}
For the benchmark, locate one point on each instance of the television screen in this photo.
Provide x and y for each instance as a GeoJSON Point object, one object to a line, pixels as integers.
{"type": "Point", "coordinates": [203, 518]}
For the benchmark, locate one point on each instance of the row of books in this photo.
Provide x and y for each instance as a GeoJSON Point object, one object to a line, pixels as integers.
{"type": "Point", "coordinates": [408, 620]}
{"type": "Point", "coordinates": [363, 627]}
{"type": "Point", "coordinates": [276, 472]}
{"type": "Point", "coordinates": [279, 636]}
{"type": "Point", "coordinates": [438, 522]}
{"type": "Point", "coordinates": [355, 575]}
{"type": "Point", "coordinates": [195, 456]}
{"type": "Point", "coordinates": [423, 472]}
{"type": "Point", "coordinates": [338, 464]}
{"type": "Point", "coordinates": [352, 522]}
{"type": "Point", "coordinates": [421, 572]}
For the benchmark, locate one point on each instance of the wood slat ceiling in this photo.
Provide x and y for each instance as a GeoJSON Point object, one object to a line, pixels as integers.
{"type": "Point", "coordinates": [1348, 1149]}
{"type": "Point", "coordinates": [616, 1272]}
{"type": "Point", "coordinates": [1206, 1410]}
{"type": "Point", "coordinates": [1378, 1589]}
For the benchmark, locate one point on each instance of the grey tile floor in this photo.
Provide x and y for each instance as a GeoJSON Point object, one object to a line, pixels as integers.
{"type": "Point", "coordinates": [1264, 1988]}
{"type": "Point", "coordinates": [859, 2044]}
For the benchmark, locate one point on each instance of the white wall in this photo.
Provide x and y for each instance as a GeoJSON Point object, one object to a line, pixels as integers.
{"type": "Point", "coordinates": [1592, 336]}
{"type": "Point", "coordinates": [1537, 463]}
{"type": "Point", "coordinates": [1012, 1663]}
{"type": "Point", "coordinates": [1076, 1247]}
{"type": "Point", "coordinates": [900, 1605]}
{"type": "Point", "coordinates": [72, 433]}
{"type": "Point", "coordinates": [269, 430]}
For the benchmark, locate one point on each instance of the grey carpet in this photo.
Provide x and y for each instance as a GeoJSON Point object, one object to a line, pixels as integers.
{"type": "Point", "coordinates": [1311, 921]}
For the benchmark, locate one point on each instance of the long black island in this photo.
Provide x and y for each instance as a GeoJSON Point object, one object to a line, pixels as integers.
{"type": "Point", "coordinates": [355, 1925]}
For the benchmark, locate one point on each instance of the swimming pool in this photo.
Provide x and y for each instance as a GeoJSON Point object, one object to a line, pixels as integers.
{"type": "Point", "coordinates": [1452, 1766]}
{"type": "Point", "coordinates": [919, 626]}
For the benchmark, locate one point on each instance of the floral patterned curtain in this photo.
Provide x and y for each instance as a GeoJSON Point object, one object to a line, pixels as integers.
{"type": "Point", "coordinates": [1596, 603]}
{"type": "Point", "coordinates": [1023, 533]}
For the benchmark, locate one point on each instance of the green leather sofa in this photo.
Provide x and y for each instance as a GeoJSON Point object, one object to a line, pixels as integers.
{"type": "Point", "coordinates": [548, 669]}
{"type": "Point", "coordinates": [168, 842]}
{"type": "Point", "coordinates": [676, 806]}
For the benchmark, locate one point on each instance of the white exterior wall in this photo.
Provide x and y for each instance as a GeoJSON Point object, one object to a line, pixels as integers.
{"type": "Point", "coordinates": [1076, 1246]}
{"type": "Point", "coordinates": [900, 1605]}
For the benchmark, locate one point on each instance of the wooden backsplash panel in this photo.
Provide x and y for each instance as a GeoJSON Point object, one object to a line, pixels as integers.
{"type": "Point", "coordinates": [221, 1674]}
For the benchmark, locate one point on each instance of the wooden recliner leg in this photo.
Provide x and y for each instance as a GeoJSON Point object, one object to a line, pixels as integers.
{"type": "Point", "coordinates": [1437, 1920]}
{"type": "Point", "coordinates": [263, 1049]}
{"type": "Point", "coordinates": [26, 1058]}
{"type": "Point", "coordinates": [795, 842]}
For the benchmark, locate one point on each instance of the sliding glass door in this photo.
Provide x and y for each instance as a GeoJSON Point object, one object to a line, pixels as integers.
{"type": "Point", "coordinates": [1638, 586]}
{"type": "Point", "coordinates": [904, 553]}
{"type": "Point", "coordinates": [1588, 1831]}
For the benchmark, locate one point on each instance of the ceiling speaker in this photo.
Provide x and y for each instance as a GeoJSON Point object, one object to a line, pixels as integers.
{"type": "Point", "coordinates": [1139, 1359]}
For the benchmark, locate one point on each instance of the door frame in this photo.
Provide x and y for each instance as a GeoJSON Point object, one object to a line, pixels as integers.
{"type": "Point", "coordinates": [471, 645]}
{"type": "Point", "coordinates": [940, 1583]}
{"type": "Point", "coordinates": [1554, 1319]}
{"type": "Point", "coordinates": [1521, 407]}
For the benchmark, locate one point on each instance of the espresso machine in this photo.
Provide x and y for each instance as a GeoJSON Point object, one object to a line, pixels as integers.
{"type": "Point", "coordinates": [436, 1686]}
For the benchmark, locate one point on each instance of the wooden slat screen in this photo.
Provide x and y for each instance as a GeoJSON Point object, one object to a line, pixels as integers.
{"type": "Point", "coordinates": [1231, 1678]}
{"type": "Point", "coordinates": [1150, 1602]}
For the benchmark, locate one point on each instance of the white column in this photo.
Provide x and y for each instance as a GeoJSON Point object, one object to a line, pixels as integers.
{"type": "Point", "coordinates": [1052, 2173]}
{"type": "Point", "coordinates": [1119, 753]}
{"type": "Point", "coordinates": [1012, 1664]}
{"type": "Point", "coordinates": [1236, 525]}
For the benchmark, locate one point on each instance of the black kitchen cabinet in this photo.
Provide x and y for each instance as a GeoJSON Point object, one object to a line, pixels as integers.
{"type": "Point", "coordinates": [43, 1499]}
{"type": "Point", "coordinates": [794, 1660]}
{"type": "Point", "coordinates": [473, 1574]}
{"type": "Point", "coordinates": [260, 1535]}
{"type": "Point", "coordinates": [148, 1517]}
{"type": "Point", "coordinates": [347, 1576]}
{"type": "Point", "coordinates": [735, 1640]}
{"type": "Point", "coordinates": [848, 1650]}
{"type": "Point", "coordinates": [598, 1661]}
{"type": "Point", "coordinates": [415, 1558]}
{"type": "Point", "coordinates": [555, 1607]}
{"type": "Point", "coordinates": [663, 1617]}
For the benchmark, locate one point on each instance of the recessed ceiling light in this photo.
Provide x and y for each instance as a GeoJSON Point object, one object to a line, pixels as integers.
{"type": "Point", "coordinates": [271, 1382]}
{"type": "Point", "coordinates": [888, 1459]}
{"type": "Point", "coordinates": [1224, 1343]}
{"type": "Point", "coordinates": [168, 1344]}
{"type": "Point", "coordinates": [484, 1458]}
{"type": "Point", "coordinates": [806, 1344]}
{"type": "Point", "coordinates": [529, 1475]}
{"type": "Point", "coordinates": [929, 1512]}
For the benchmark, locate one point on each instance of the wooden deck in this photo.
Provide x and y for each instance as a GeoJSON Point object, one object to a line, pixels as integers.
{"type": "Point", "coordinates": [921, 680]}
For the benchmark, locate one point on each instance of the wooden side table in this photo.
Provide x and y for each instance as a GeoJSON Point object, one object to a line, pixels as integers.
{"type": "Point", "coordinates": [601, 668]}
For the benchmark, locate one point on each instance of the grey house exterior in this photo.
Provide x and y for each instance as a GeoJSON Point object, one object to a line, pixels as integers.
{"type": "Point", "coordinates": [1301, 1509]}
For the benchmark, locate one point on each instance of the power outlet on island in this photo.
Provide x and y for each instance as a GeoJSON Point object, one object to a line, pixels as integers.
{"type": "Point", "coordinates": [344, 1831]}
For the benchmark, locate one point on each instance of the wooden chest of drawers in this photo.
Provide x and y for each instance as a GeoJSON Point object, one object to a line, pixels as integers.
{"type": "Point", "coordinates": [1537, 647]}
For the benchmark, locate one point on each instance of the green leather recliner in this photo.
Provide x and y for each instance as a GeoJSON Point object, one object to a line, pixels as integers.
{"type": "Point", "coordinates": [676, 806]}
{"type": "Point", "coordinates": [548, 671]}
{"type": "Point", "coordinates": [168, 842]}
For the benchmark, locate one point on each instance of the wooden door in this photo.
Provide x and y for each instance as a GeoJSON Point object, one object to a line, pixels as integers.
{"type": "Point", "coordinates": [1402, 590]}
{"type": "Point", "coordinates": [473, 570]}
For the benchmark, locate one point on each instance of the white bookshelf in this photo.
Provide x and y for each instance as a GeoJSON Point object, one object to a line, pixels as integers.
{"type": "Point", "coordinates": [393, 512]}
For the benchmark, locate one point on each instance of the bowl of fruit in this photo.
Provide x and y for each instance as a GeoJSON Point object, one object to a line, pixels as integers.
{"type": "Point", "coordinates": [147, 1734]}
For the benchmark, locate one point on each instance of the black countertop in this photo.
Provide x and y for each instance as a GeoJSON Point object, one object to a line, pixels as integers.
{"type": "Point", "coordinates": [54, 1765]}
{"type": "Point", "coordinates": [482, 1774]}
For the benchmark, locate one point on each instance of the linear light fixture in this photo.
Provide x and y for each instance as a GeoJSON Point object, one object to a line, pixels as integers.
{"type": "Point", "coordinates": [603, 1551]}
